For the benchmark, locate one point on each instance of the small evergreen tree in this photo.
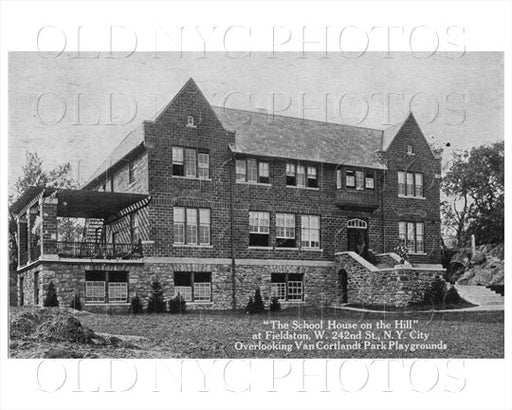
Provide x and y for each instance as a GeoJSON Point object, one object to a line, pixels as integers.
{"type": "Point", "coordinates": [51, 299]}
{"type": "Point", "coordinates": [259, 306]}
{"type": "Point", "coordinates": [136, 305]}
{"type": "Point", "coordinates": [156, 303]}
{"type": "Point", "coordinates": [177, 305]}
{"type": "Point", "coordinates": [436, 292]}
{"type": "Point", "coordinates": [275, 306]}
{"type": "Point", "coordinates": [250, 306]}
{"type": "Point", "coordinates": [76, 303]}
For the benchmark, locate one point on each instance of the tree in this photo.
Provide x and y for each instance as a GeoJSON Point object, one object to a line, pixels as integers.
{"type": "Point", "coordinates": [156, 303]}
{"type": "Point", "coordinates": [136, 306]}
{"type": "Point", "coordinates": [33, 174]}
{"type": "Point", "coordinates": [474, 186]}
{"type": "Point", "coordinates": [259, 306]}
{"type": "Point", "coordinates": [76, 303]}
{"type": "Point", "coordinates": [51, 299]}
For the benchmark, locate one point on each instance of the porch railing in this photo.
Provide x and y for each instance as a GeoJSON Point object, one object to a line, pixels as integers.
{"type": "Point", "coordinates": [96, 250]}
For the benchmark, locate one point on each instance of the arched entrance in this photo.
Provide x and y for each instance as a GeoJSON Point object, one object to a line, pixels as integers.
{"type": "Point", "coordinates": [343, 285]}
{"type": "Point", "coordinates": [357, 241]}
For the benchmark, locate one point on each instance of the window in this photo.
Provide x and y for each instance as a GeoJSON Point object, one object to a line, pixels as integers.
{"type": "Point", "coordinates": [418, 184]}
{"type": "Point", "coordinates": [350, 178]}
{"type": "Point", "coordinates": [310, 231]}
{"type": "Point", "coordinates": [410, 184]}
{"type": "Point", "coordinates": [263, 172]}
{"type": "Point", "coordinates": [411, 234]}
{"type": "Point", "coordinates": [259, 228]}
{"type": "Point", "coordinates": [191, 226]}
{"type": "Point", "coordinates": [193, 286]}
{"type": "Point", "coordinates": [131, 175]}
{"type": "Point", "coordinates": [338, 179]}
{"type": "Point", "coordinates": [106, 287]}
{"type": "Point", "coordinates": [204, 165]}
{"type": "Point", "coordinates": [369, 180]}
{"type": "Point", "coordinates": [241, 170]}
{"type": "Point", "coordinates": [287, 287]}
{"type": "Point", "coordinates": [290, 174]}
{"type": "Point", "coordinates": [285, 230]}
{"type": "Point", "coordinates": [409, 150]}
{"type": "Point", "coordinates": [190, 121]}
{"type": "Point", "coordinates": [312, 178]}
{"type": "Point", "coordinates": [188, 162]}
{"type": "Point", "coordinates": [177, 161]}
{"type": "Point", "coordinates": [301, 176]}
{"type": "Point", "coordinates": [359, 180]}
{"type": "Point", "coordinates": [253, 171]}
{"type": "Point", "coordinates": [401, 183]}
{"type": "Point", "coordinates": [134, 228]}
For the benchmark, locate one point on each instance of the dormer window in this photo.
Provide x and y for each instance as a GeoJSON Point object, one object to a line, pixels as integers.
{"type": "Point", "coordinates": [190, 121]}
{"type": "Point", "coordinates": [409, 150]}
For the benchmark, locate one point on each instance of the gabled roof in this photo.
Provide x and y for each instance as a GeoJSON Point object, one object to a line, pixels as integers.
{"type": "Point", "coordinates": [134, 139]}
{"type": "Point", "coordinates": [282, 137]}
{"type": "Point", "coordinates": [295, 138]}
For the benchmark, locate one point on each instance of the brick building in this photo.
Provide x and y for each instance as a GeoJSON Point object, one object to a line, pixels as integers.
{"type": "Point", "coordinates": [216, 202]}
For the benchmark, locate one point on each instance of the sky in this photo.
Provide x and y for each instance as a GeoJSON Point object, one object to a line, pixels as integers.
{"type": "Point", "coordinates": [77, 110]}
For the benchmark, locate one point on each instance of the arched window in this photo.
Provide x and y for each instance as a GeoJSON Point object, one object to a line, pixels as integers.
{"type": "Point", "coordinates": [190, 121]}
{"type": "Point", "coordinates": [409, 150]}
{"type": "Point", "coordinates": [357, 224]}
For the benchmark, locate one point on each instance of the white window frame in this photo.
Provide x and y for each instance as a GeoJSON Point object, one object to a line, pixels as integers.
{"type": "Point", "coordinates": [259, 222]}
{"type": "Point", "coordinates": [203, 165]}
{"type": "Point", "coordinates": [309, 232]}
{"type": "Point", "coordinates": [285, 226]}
{"type": "Point", "coordinates": [117, 292]}
{"type": "Point", "coordinates": [192, 226]}
{"type": "Point", "coordinates": [95, 291]}
{"type": "Point", "coordinates": [412, 235]}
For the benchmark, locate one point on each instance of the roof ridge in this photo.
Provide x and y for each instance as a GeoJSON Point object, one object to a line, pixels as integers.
{"type": "Point", "coordinates": [296, 118]}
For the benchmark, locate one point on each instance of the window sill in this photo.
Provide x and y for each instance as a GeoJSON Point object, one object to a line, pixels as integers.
{"type": "Point", "coordinates": [191, 178]}
{"type": "Point", "coordinates": [178, 245]}
{"type": "Point", "coordinates": [312, 249]}
{"type": "Point", "coordinates": [253, 183]}
{"type": "Point", "coordinates": [411, 197]}
{"type": "Point", "coordinates": [209, 303]}
{"type": "Point", "coordinates": [291, 302]}
{"type": "Point", "coordinates": [417, 253]}
{"type": "Point", "coordinates": [303, 187]}
{"type": "Point", "coordinates": [261, 247]}
{"type": "Point", "coordinates": [107, 304]}
{"type": "Point", "coordinates": [282, 248]}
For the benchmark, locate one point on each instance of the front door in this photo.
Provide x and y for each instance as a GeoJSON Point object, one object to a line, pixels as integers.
{"type": "Point", "coordinates": [358, 241]}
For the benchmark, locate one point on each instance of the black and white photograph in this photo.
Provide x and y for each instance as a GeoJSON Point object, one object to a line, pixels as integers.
{"type": "Point", "coordinates": [270, 207]}
{"type": "Point", "coordinates": [208, 203]}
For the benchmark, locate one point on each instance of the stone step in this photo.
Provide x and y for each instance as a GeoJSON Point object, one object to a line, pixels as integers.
{"type": "Point", "coordinates": [480, 295]}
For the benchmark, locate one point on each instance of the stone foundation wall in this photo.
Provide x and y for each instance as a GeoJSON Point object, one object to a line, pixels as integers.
{"type": "Point", "coordinates": [320, 282]}
{"type": "Point", "coordinates": [396, 286]}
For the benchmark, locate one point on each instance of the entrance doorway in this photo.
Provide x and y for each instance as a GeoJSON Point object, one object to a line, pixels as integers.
{"type": "Point", "coordinates": [357, 241]}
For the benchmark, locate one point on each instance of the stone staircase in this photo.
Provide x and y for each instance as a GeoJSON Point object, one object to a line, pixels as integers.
{"type": "Point", "coordinates": [480, 295]}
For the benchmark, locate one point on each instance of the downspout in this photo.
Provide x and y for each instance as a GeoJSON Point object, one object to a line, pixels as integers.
{"type": "Point", "coordinates": [232, 229]}
{"type": "Point", "coordinates": [383, 234]}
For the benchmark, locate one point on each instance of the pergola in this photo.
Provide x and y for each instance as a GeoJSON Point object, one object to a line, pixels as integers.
{"type": "Point", "coordinates": [40, 206]}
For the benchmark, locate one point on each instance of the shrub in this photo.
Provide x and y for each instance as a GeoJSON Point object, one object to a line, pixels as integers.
{"type": "Point", "coordinates": [259, 306]}
{"type": "Point", "coordinates": [436, 292]}
{"type": "Point", "coordinates": [156, 302]}
{"type": "Point", "coordinates": [51, 299]}
{"type": "Point", "coordinates": [76, 303]}
{"type": "Point", "coordinates": [275, 306]}
{"type": "Point", "coordinates": [136, 305]}
{"type": "Point", "coordinates": [177, 305]}
{"type": "Point", "coordinates": [452, 296]}
{"type": "Point", "coordinates": [250, 306]}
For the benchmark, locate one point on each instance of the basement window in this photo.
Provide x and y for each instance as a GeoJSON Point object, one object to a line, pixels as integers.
{"type": "Point", "coordinates": [287, 287]}
{"type": "Point", "coordinates": [106, 287]}
{"type": "Point", "coordinates": [193, 286]}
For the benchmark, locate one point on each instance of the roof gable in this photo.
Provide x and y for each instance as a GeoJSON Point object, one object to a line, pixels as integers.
{"type": "Point", "coordinates": [389, 135]}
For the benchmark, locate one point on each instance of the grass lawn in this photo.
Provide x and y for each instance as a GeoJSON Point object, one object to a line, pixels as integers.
{"type": "Point", "coordinates": [214, 334]}
{"type": "Point", "coordinates": [208, 334]}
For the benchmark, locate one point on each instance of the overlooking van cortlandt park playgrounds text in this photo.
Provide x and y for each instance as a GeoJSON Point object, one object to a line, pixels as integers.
{"type": "Point", "coordinates": [222, 231]}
